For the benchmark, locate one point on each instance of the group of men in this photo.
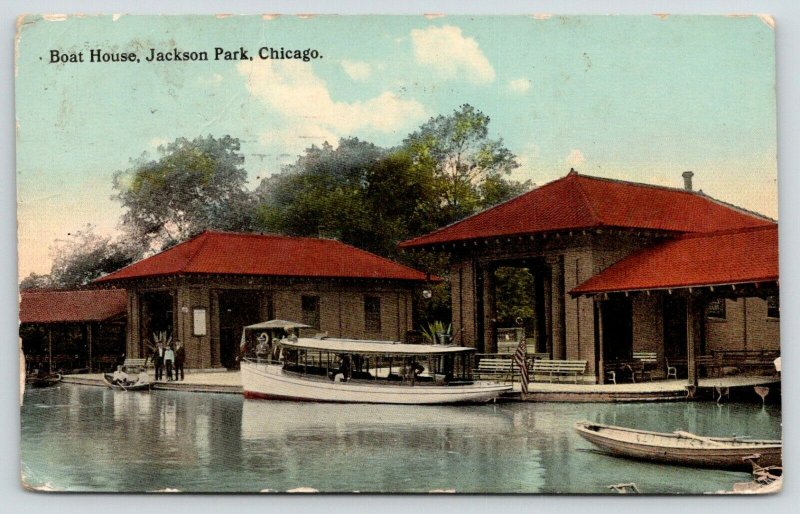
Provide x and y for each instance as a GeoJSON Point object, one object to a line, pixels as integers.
{"type": "Point", "coordinates": [169, 357]}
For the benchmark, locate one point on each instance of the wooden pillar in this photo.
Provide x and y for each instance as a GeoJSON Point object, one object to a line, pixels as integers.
{"type": "Point", "coordinates": [489, 311]}
{"type": "Point", "coordinates": [601, 368]}
{"type": "Point", "coordinates": [547, 307]}
{"type": "Point", "coordinates": [693, 333]}
{"type": "Point", "coordinates": [134, 324]}
{"type": "Point", "coordinates": [49, 349]}
{"type": "Point", "coordinates": [557, 307]}
{"type": "Point", "coordinates": [89, 338]}
{"type": "Point", "coordinates": [214, 340]}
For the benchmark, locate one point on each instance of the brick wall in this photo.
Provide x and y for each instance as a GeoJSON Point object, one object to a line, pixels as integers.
{"type": "Point", "coordinates": [758, 332]}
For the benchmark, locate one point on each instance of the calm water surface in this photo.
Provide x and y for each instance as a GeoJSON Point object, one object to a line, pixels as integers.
{"type": "Point", "coordinates": [79, 438]}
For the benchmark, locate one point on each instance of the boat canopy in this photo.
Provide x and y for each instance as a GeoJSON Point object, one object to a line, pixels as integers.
{"type": "Point", "coordinates": [276, 323]}
{"type": "Point", "coordinates": [360, 346]}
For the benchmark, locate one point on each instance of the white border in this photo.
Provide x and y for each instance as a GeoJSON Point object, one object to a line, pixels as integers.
{"type": "Point", "coordinates": [787, 17]}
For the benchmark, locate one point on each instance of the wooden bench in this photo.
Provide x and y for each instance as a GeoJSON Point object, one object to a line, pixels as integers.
{"type": "Point", "coordinates": [134, 365]}
{"type": "Point", "coordinates": [644, 362]}
{"type": "Point", "coordinates": [491, 368]}
{"type": "Point", "coordinates": [746, 360]}
{"type": "Point", "coordinates": [558, 368]}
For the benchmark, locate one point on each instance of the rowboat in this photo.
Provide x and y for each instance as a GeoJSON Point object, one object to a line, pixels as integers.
{"type": "Point", "coordinates": [36, 381]}
{"type": "Point", "coordinates": [133, 386]}
{"type": "Point", "coordinates": [323, 369]}
{"type": "Point", "coordinates": [682, 448]}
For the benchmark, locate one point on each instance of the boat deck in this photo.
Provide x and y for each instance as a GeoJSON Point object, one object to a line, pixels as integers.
{"type": "Point", "coordinates": [229, 382]}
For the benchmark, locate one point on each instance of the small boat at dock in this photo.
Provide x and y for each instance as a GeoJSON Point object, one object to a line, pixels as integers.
{"type": "Point", "coordinates": [131, 386]}
{"type": "Point", "coordinates": [323, 369]}
{"type": "Point", "coordinates": [39, 381]}
{"type": "Point", "coordinates": [682, 448]}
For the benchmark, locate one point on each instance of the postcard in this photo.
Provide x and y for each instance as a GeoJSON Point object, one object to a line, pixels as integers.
{"type": "Point", "coordinates": [398, 254]}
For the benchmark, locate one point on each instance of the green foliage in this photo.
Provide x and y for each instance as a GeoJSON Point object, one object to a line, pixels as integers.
{"type": "Point", "coordinates": [35, 281]}
{"type": "Point", "coordinates": [514, 293]}
{"type": "Point", "coordinates": [194, 185]}
{"type": "Point", "coordinates": [81, 258]}
{"type": "Point", "coordinates": [430, 330]}
{"type": "Point", "coordinates": [466, 168]}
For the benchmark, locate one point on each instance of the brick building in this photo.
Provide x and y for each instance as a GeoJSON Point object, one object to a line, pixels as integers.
{"type": "Point", "coordinates": [617, 267]}
{"type": "Point", "coordinates": [203, 291]}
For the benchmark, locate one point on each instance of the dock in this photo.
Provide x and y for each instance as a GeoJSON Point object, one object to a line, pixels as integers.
{"type": "Point", "coordinates": [229, 382]}
{"type": "Point", "coordinates": [655, 391]}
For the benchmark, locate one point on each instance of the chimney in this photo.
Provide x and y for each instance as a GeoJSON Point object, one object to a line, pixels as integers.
{"type": "Point", "coordinates": [687, 180]}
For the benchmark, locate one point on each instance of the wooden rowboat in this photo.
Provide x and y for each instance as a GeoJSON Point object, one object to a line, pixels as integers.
{"type": "Point", "coordinates": [135, 386]}
{"type": "Point", "coordinates": [36, 381]}
{"type": "Point", "coordinates": [682, 448]}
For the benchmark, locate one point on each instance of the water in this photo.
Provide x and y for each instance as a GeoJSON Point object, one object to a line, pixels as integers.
{"type": "Point", "coordinates": [79, 438]}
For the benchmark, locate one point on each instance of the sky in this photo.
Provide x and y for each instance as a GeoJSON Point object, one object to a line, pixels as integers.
{"type": "Point", "coordinates": [639, 98]}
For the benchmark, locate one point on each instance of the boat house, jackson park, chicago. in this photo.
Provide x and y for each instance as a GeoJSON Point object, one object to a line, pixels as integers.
{"type": "Point", "coordinates": [204, 290]}
{"type": "Point", "coordinates": [616, 268]}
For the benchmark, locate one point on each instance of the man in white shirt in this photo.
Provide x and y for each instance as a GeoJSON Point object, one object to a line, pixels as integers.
{"type": "Point", "coordinates": [143, 378]}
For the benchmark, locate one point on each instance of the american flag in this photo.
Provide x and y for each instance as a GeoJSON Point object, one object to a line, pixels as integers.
{"type": "Point", "coordinates": [519, 358]}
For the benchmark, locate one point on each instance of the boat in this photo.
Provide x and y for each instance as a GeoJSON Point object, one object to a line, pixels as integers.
{"type": "Point", "coordinates": [682, 448]}
{"type": "Point", "coordinates": [39, 381]}
{"type": "Point", "coordinates": [323, 369]}
{"type": "Point", "coordinates": [133, 386]}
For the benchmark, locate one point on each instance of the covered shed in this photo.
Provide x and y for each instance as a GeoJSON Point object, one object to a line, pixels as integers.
{"type": "Point", "coordinates": [73, 330]}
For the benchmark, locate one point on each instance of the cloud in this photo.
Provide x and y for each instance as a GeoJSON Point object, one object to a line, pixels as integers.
{"type": "Point", "coordinates": [575, 158]}
{"type": "Point", "coordinates": [520, 86]}
{"type": "Point", "coordinates": [357, 70]}
{"type": "Point", "coordinates": [451, 55]}
{"type": "Point", "coordinates": [300, 103]}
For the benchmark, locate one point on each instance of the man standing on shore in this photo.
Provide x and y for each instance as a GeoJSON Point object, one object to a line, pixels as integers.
{"type": "Point", "coordinates": [169, 360]}
{"type": "Point", "coordinates": [158, 361]}
{"type": "Point", "coordinates": [180, 358]}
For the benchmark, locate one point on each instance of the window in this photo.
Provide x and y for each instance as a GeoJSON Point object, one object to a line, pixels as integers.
{"type": "Point", "coordinates": [773, 307]}
{"type": "Point", "coordinates": [311, 311]}
{"type": "Point", "coordinates": [716, 309]}
{"type": "Point", "coordinates": [372, 313]}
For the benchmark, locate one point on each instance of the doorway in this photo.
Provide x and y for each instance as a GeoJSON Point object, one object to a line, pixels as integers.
{"type": "Point", "coordinates": [237, 309]}
{"type": "Point", "coordinates": [675, 327]}
{"type": "Point", "coordinates": [617, 329]}
{"type": "Point", "coordinates": [158, 308]}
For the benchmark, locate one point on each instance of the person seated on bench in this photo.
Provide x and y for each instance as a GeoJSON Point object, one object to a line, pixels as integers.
{"type": "Point", "coordinates": [119, 377]}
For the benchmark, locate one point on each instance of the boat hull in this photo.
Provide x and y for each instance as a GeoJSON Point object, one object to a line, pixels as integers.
{"type": "Point", "coordinates": [133, 387]}
{"type": "Point", "coordinates": [708, 452]}
{"type": "Point", "coordinates": [271, 382]}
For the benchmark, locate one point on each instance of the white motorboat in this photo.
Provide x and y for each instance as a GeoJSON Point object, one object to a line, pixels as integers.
{"type": "Point", "coordinates": [358, 371]}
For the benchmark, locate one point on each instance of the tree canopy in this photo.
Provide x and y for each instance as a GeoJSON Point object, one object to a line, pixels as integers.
{"type": "Point", "coordinates": [194, 185]}
{"type": "Point", "coordinates": [467, 167]}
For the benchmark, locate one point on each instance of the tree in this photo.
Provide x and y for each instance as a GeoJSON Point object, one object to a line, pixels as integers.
{"type": "Point", "coordinates": [357, 193]}
{"type": "Point", "coordinates": [195, 185]}
{"type": "Point", "coordinates": [85, 256]}
{"type": "Point", "coordinates": [468, 168]}
{"type": "Point", "coordinates": [35, 281]}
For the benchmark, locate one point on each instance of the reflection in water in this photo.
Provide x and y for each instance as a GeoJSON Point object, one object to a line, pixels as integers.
{"type": "Point", "coordinates": [205, 442]}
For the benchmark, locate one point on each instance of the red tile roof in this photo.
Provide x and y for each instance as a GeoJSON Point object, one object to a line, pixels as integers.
{"type": "Point", "coordinates": [229, 253]}
{"type": "Point", "coordinates": [581, 202]}
{"type": "Point", "coordinates": [71, 306]}
{"type": "Point", "coordinates": [729, 257]}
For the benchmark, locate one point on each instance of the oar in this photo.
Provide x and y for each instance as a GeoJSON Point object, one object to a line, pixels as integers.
{"type": "Point", "coordinates": [690, 435]}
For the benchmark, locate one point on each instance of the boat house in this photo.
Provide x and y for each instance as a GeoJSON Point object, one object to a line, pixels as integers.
{"type": "Point", "coordinates": [618, 268]}
{"type": "Point", "coordinates": [72, 330]}
{"type": "Point", "coordinates": [205, 290]}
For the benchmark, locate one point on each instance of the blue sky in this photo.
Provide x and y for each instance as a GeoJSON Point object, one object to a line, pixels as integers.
{"type": "Point", "coordinates": [634, 97]}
